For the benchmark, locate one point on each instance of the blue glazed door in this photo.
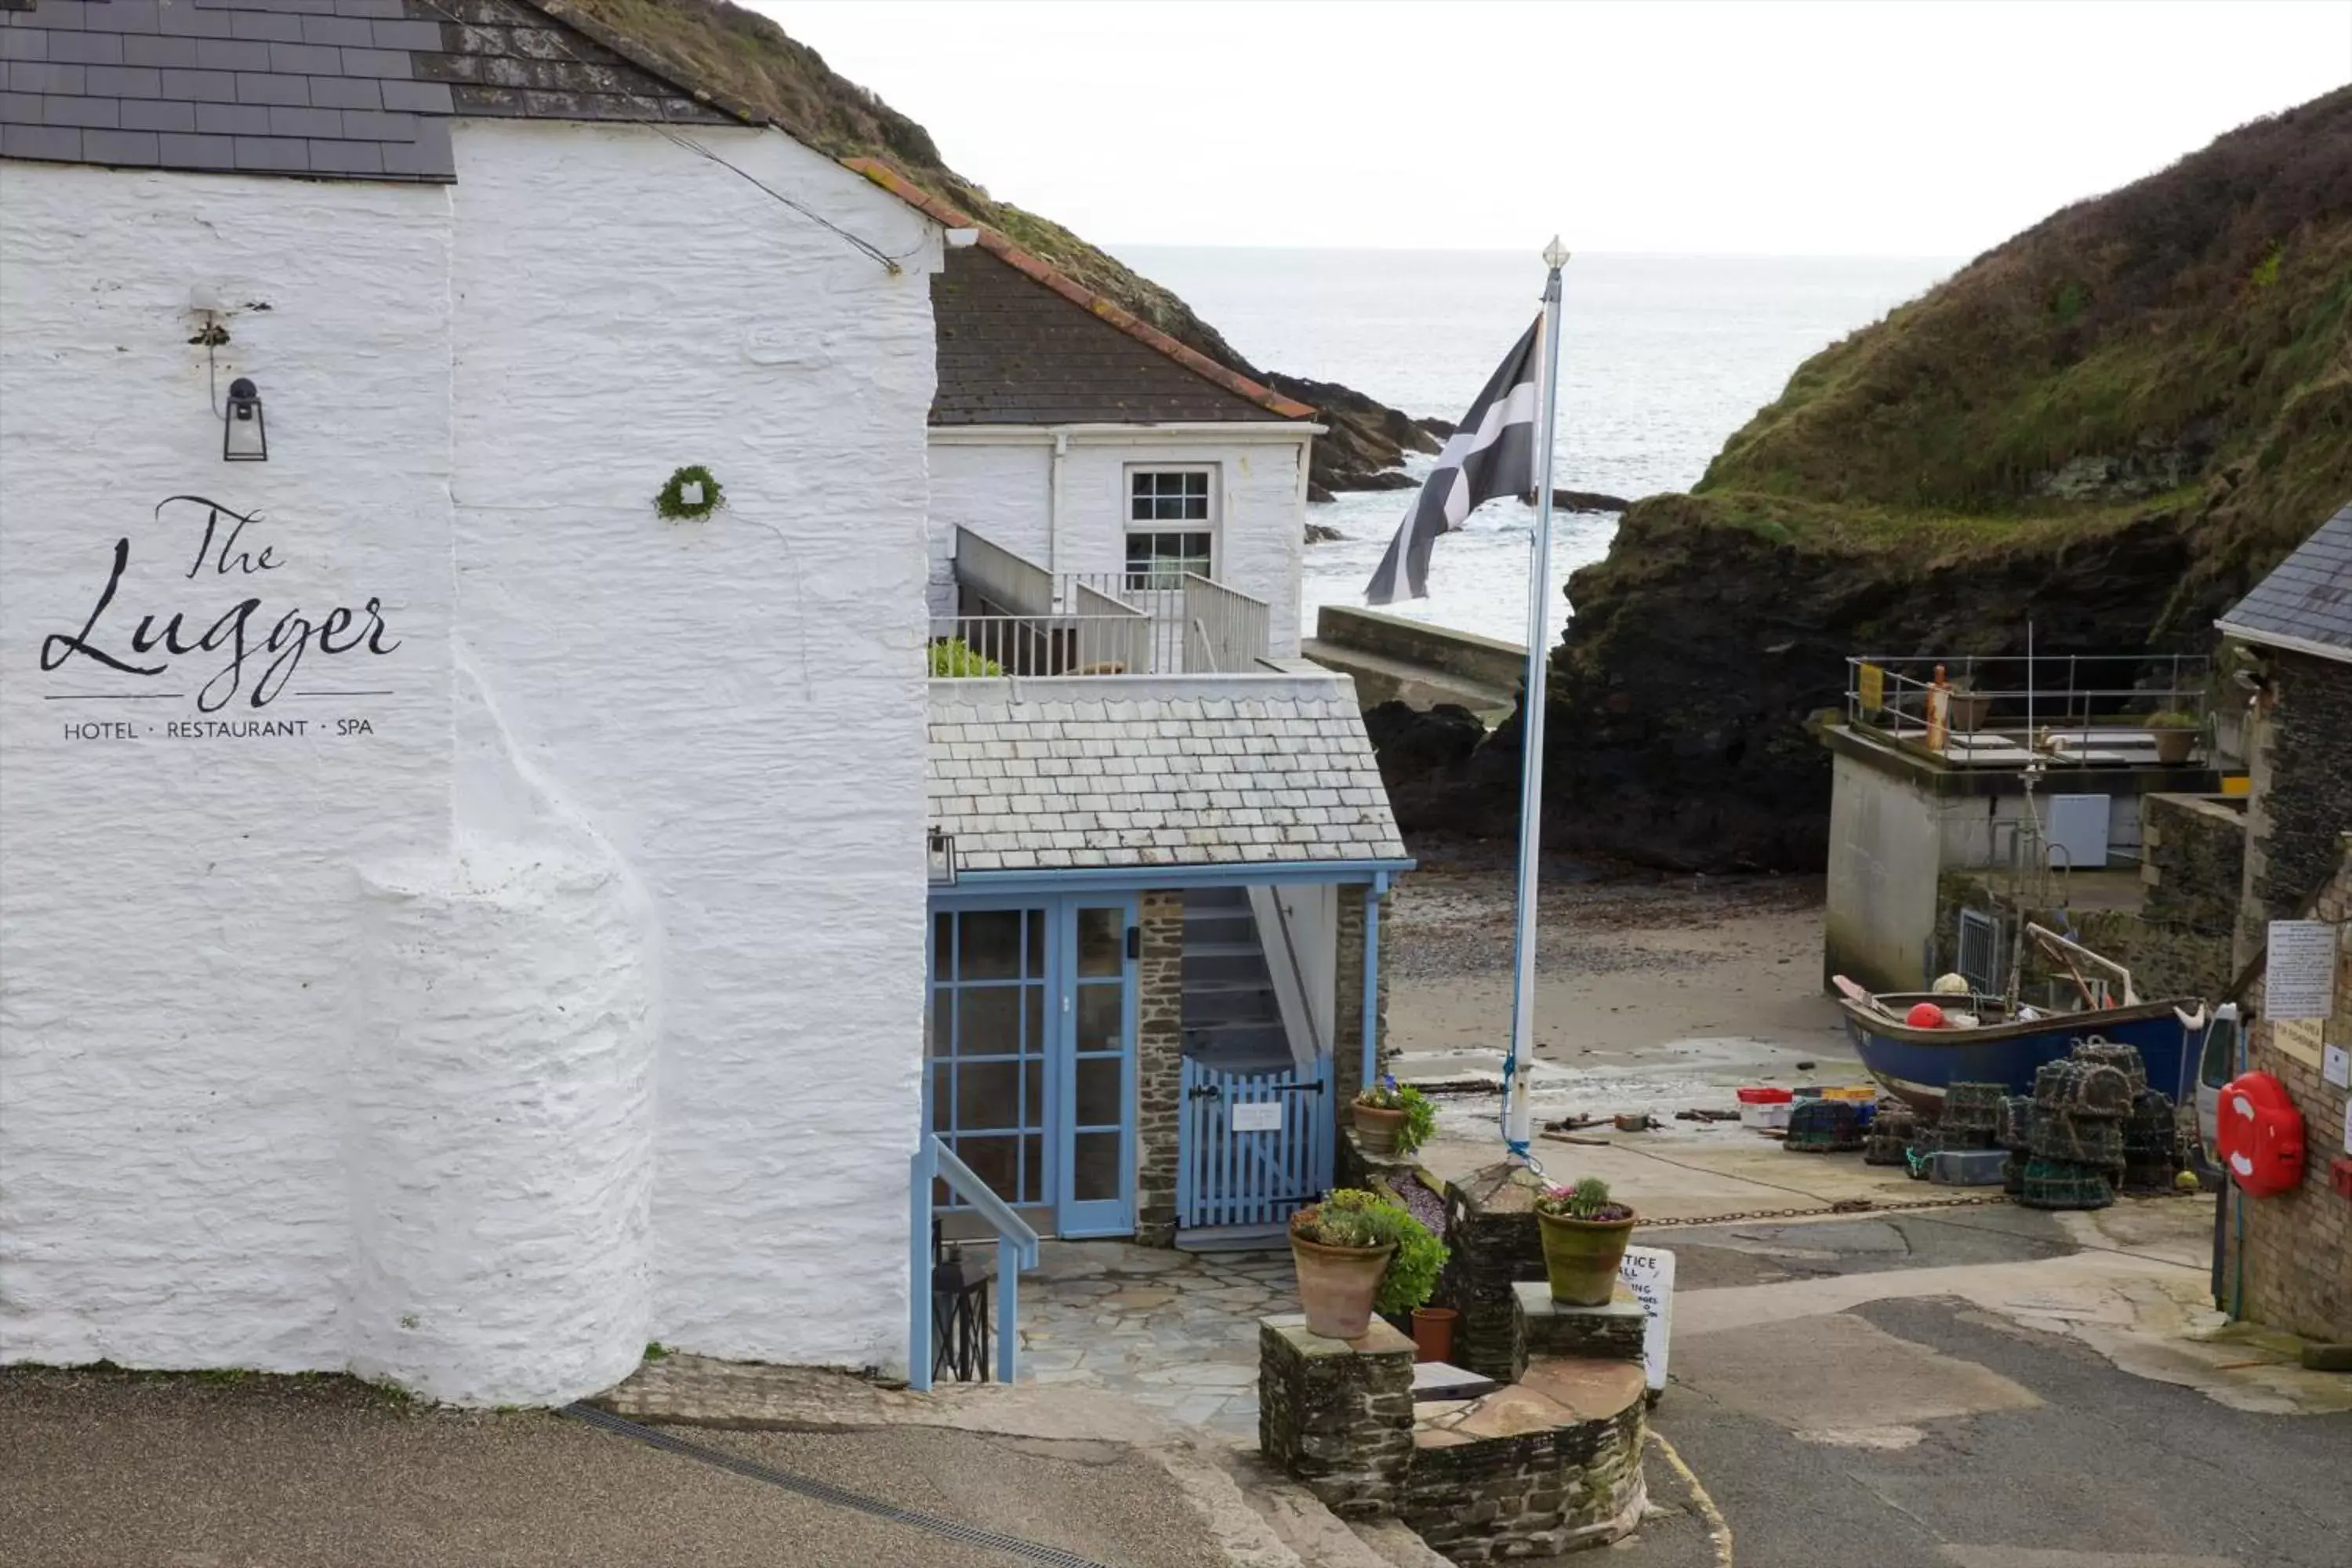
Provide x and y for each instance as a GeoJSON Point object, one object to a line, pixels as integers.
{"type": "Point", "coordinates": [1095, 1193]}
{"type": "Point", "coordinates": [1030, 1073]}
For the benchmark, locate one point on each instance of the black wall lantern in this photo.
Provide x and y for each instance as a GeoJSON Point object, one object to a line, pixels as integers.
{"type": "Point", "coordinates": [244, 437]}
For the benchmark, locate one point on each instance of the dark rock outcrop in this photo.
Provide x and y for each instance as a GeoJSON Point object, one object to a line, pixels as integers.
{"type": "Point", "coordinates": [1425, 757]}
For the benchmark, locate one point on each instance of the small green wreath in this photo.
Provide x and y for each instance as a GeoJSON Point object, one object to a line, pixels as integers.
{"type": "Point", "coordinates": [692, 495]}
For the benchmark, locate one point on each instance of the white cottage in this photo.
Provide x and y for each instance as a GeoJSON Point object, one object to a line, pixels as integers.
{"type": "Point", "coordinates": [1160, 842]}
{"type": "Point", "coordinates": [462, 898]}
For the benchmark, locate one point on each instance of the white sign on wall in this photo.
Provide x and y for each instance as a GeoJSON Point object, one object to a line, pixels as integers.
{"type": "Point", "coordinates": [1649, 1273]}
{"type": "Point", "coordinates": [1261, 1116]}
{"type": "Point", "coordinates": [2299, 974]}
{"type": "Point", "coordinates": [2335, 1065]}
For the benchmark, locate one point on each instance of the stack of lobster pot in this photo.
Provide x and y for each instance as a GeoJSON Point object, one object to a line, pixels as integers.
{"type": "Point", "coordinates": [2015, 1133]}
{"type": "Point", "coordinates": [1972, 1111]}
{"type": "Point", "coordinates": [2077, 1143]}
{"type": "Point", "coordinates": [1888, 1140]}
{"type": "Point", "coordinates": [1824, 1127]}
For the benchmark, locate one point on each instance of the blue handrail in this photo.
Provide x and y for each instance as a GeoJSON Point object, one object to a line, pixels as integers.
{"type": "Point", "coordinates": [1016, 1248]}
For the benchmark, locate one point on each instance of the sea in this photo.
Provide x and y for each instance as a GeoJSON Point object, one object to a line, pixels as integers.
{"type": "Point", "coordinates": [1663, 357]}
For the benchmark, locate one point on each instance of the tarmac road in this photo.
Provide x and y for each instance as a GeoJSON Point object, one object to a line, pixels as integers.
{"type": "Point", "coordinates": [1929, 1433]}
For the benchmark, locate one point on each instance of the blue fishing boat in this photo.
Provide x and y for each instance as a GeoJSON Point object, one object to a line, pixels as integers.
{"type": "Point", "coordinates": [1995, 1039]}
{"type": "Point", "coordinates": [1917, 1064]}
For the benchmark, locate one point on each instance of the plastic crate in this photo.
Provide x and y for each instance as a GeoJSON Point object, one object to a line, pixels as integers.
{"type": "Point", "coordinates": [1968, 1167]}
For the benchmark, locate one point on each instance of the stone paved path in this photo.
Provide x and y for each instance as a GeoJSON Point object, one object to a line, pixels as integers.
{"type": "Point", "coordinates": [1173, 1331]}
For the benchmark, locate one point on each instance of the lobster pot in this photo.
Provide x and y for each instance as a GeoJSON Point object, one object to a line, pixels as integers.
{"type": "Point", "coordinates": [2151, 1139]}
{"type": "Point", "coordinates": [1824, 1127]}
{"type": "Point", "coordinates": [1891, 1132]}
{"type": "Point", "coordinates": [2079, 1140]}
{"type": "Point", "coordinates": [2098, 1051]}
{"type": "Point", "coordinates": [2062, 1184]}
{"type": "Point", "coordinates": [1973, 1108]}
{"type": "Point", "coordinates": [2015, 1133]}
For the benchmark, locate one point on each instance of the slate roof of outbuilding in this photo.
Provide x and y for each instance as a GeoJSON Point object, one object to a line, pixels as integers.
{"type": "Point", "coordinates": [1021, 342]}
{"type": "Point", "coordinates": [2305, 602]}
{"type": "Point", "coordinates": [1111, 772]}
{"type": "Point", "coordinates": [322, 88]}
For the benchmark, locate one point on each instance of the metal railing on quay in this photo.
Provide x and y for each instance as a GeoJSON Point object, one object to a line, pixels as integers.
{"type": "Point", "coordinates": [2047, 702]}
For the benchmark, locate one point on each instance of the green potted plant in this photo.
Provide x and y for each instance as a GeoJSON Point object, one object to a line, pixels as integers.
{"type": "Point", "coordinates": [1584, 1237]}
{"type": "Point", "coordinates": [2176, 735]}
{"type": "Point", "coordinates": [1393, 1119]}
{"type": "Point", "coordinates": [1358, 1252]}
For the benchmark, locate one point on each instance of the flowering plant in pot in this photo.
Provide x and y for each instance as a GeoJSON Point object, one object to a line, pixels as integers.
{"type": "Point", "coordinates": [1359, 1251]}
{"type": "Point", "coordinates": [1393, 1119]}
{"type": "Point", "coordinates": [2176, 735]}
{"type": "Point", "coordinates": [1584, 1237]}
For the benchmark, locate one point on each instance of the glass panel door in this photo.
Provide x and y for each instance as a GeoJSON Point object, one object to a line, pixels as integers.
{"type": "Point", "coordinates": [988, 1054]}
{"type": "Point", "coordinates": [1098, 1092]}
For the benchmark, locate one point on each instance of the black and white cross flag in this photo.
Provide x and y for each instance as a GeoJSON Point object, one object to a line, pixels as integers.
{"type": "Point", "coordinates": [1492, 453]}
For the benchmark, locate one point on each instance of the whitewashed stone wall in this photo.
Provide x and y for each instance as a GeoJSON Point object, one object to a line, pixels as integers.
{"type": "Point", "coordinates": [570, 1004]}
{"type": "Point", "coordinates": [1001, 488]}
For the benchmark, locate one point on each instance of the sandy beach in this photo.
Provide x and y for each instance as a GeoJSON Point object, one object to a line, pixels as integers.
{"type": "Point", "coordinates": [1653, 993]}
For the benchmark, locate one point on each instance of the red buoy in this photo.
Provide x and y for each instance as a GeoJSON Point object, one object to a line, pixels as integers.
{"type": "Point", "coordinates": [1925, 1015]}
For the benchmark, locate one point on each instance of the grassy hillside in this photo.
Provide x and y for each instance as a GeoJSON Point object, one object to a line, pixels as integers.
{"type": "Point", "coordinates": [2184, 337]}
{"type": "Point", "coordinates": [749, 59]}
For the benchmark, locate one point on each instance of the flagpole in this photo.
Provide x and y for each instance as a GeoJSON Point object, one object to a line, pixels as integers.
{"type": "Point", "coordinates": [1517, 1115]}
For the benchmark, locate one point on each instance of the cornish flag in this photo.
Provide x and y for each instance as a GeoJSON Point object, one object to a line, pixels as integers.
{"type": "Point", "coordinates": [1492, 453]}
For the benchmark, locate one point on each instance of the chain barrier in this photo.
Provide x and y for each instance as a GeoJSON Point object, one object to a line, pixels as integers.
{"type": "Point", "coordinates": [1843, 1207]}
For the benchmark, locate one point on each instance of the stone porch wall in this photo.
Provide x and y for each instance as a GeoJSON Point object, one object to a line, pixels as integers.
{"type": "Point", "coordinates": [1537, 1495]}
{"type": "Point", "coordinates": [1159, 1066]}
{"type": "Point", "coordinates": [1348, 1034]}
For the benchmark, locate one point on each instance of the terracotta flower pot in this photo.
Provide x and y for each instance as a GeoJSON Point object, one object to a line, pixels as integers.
{"type": "Point", "coordinates": [1337, 1284]}
{"type": "Point", "coordinates": [1581, 1257]}
{"type": "Point", "coordinates": [2173, 746]}
{"type": "Point", "coordinates": [1377, 1129]}
{"type": "Point", "coordinates": [1432, 1333]}
{"type": "Point", "coordinates": [1968, 711]}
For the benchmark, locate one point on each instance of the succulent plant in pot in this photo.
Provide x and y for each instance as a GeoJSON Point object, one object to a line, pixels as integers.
{"type": "Point", "coordinates": [1393, 1119]}
{"type": "Point", "coordinates": [2176, 735]}
{"type": "Point", "coordinates": [1358, 1251]}
{"type": "Point", "coordinates": [1584, 1237]}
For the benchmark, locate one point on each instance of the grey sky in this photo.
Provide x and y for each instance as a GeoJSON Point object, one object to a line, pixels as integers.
{"type": "Point", "coordinates": [1886, 127]}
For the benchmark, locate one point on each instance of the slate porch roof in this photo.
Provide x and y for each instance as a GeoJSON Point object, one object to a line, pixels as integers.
{"type": "Point", "coordinates": [1011, 352]}
{"type": "Point", "coordinates": [1119, 771]}
{"type": "Point", "coordinates": [323, 89]}
{"type": "Point", "coordinates": [2306, 602]}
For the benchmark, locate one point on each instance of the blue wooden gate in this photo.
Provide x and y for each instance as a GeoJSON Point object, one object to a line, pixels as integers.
{"type": "Point", "coordinates": [1255, 1145]}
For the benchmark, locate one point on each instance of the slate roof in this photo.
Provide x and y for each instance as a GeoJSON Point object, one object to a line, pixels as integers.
{"type": "Point", "coordinates": [1022, 343]}
{"type": "Point", "coordinates": [1037, 774]}
{"type": "Point", "coordinates": [2306, 602]}
{"type": "Point", "coordinates": [324, 89]}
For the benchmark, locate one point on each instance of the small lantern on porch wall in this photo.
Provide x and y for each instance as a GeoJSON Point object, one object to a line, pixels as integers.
{"type": "Point", "coordinates": [244, 437]}
{"type": "Point", "coordinates": [942, 855]}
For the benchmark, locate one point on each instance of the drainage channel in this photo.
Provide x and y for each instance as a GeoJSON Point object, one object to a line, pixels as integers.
{"type": "Point", "coordinates": [825, 1492]}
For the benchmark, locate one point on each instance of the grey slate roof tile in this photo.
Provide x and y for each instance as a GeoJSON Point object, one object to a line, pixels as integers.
{"type": "Point", "coordinates": [349, 93]}
{"type": "Point", "coordinates": [132, 18]}
{"type": "Point", "coordinates": [215, 87]}
{"type": "Point", "coordinates": [272, 153]}
{"type": "Point", "coordinates": [232, 55]}
{"type": "Point", "coordinates": [56, 144]}
{"type": "Point", "coordinates": [337, 30]}
{"type": "Point", "coordinates": [198, 151]}
{"type": "Point", "coordinates": [158, 114]}
{"type": "Point", "coordinates": [40, 76]}
{"type": "Point", "coordinates": [88, 48]}
{"type": "Point", "coordinates": [162, 50]}
{"type": "Point", "coordinates": [23, 44]}
{"type": "Point", "coordinates": [286, 119]}
{"type": "Point", "coordinates": [263, 87]}
{"type": "Point", "coordinates": [103, 112]}
{"type": "Point", "coordinates": [233, 119]}
{"type": "Point", "coordinates": [2308, 598]}
{"type": "Point", "coordinates": [121, 147]}
{"type": "Point", "coordinates": [266, 25]}
{"type": "Point", "coordinates": [119, 81]}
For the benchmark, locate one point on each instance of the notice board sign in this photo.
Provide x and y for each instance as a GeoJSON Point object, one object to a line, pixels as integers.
{"type": "Point", "coordinates": [1257, 1116]}
{"type": "Point", "coordinates": [2299, 973]}
{"type": "Point", "coordinates": [1649, 1273]}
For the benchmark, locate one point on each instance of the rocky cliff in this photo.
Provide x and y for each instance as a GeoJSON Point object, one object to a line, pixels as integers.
{"type": "Point", "coordinates": [2110, 425]}
{"type": "Point", "coordinates": [748, 61]}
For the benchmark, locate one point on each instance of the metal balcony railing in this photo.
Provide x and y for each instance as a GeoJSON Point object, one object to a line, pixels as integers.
{"type": "Point", "coordinates": [2074, 709]}
{"type": "Point", "coordinates": [1015, 618]}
